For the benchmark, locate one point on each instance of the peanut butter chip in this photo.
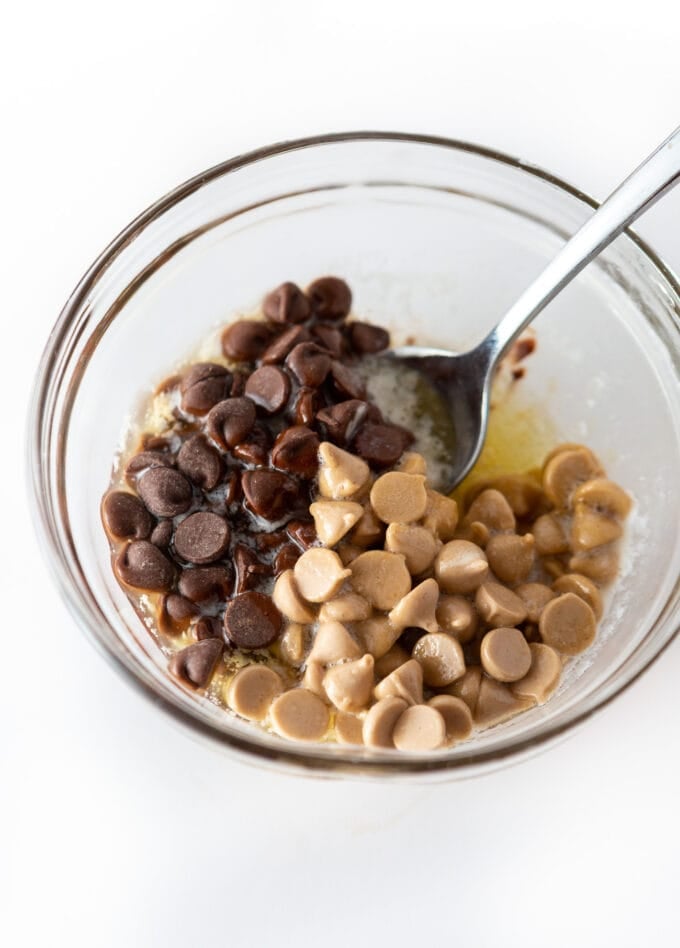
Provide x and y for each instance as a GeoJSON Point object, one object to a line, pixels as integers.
{"type": "Point", "coordinates": [467, 687]}
{"type": "Point", "coordinates": [420, 728]}
{"type": "Point", "coordinates": [398, 497]}
{"type": "Point", "coordinates": [368, 529]}
{"type": "Point", "coordinates": [334, 518]}
{"type": "Point", "coordinates": [380, 721]}
{"type": "Point", "coordinates": [333, 643]}
{"type": "Point", "coordinates": [499, 606]}
{"type": "Point", "coordinates": [457, 616]}
{"type": "Point", "coordinates": [457, 716]}
{"type": "Point", "coordinates": [313, 677]}
{"type": "Point", "coordinates": [412, 463]}
{"type": "Point", "coordinates": [496, 703]}
{"type": "Point", "coordinates": [461, 567]}
{"type": "Point", "coordinates": [568, 624]}
{"type": "Point", "coordinates": [511, 557]}
{"type": "Point", "coordinates": [341, 474]}
{"type": "Point", "coordinates": [390, 661]}
{"type": "Point", "coordinates": [252, 690]}
{"type": "Point", "coordinates": [441, 658]}
{"type": "Point", "coordinates": [349, 685]}
{"type": "Point", "coordinates": [549, 536]}
{"type": "Point", "coordinates": [590, 529]}
{"type": "Point", "coordinates": [293, 644]}
{"type": "Point", "coordinates": [380, 577]}
{"type": "Point", "coordinates": [601, 564]}
{"type": "Point", "coordinates": [405, 682]}
{"type": "Point", "coordinates": [536, 597]}
{"type": "Point", "coordinates": [288, 600]}
{"type": "Point", "coordinates": [505, 654]}
{"type": "Point", "coordinates": [417, 608]}
{"type": "Point", "coordinates": [441, 515]}
{"type": "Point", "coordinates": [583, 587]}
{"type": "Point", "coordinates": [348, 728]}
{"type": "Point", "coordinates": [378, 635]}
{"type": "Point", "coordinates": [543, 676]}
{"type": "Point", "coordinates": [417, 545]}
{"type": "Point", "coordinates": [567, 470]}
{"type": "Point", "coordinates": [319, 574]}
{"type": "Point", "coordinates": [299, 715]}
{"type": "Point", "coordinates": [349, 607]}
{"type": "Point", "coordinates": [492, 509]}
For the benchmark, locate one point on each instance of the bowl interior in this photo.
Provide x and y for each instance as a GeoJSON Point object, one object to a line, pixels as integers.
{"type": "Point", "coordinates": [436, 242]}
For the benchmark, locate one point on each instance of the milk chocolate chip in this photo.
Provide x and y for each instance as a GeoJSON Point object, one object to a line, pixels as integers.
{"type": "Point", "coordinates": [200, 462]}
{"type": "Point", "coordinates": [343, 420]}
{"type": "Point", "coordinates": [165, 491]}
{"type": "Point", "coordinates": [286, 304]}
{"type": "Point", "coordinates": [252, 621]}
{"type": "Point", "coordinates": [367, 339]}
{"type": "Point", "coordinates": [270, 494]}
{"type": "Point", "coordinates": [125, 516]}
{"type": "Point", "coordinates": [203, 385]}
{"type": "Point", "coordinates": [346, 382]}
{"type": "Point", "coordinates": [309, 363]}
{"type": "Point", "coordinates": [246, 340]}
{"type": "Point", "coordinates": [202, 537]}
{"type": "Point", "coordinates": [231, 421]}
{"type": "Point", "coordinates": [248, 567]}
{"type": "Point", "coordinates": [269, 388]}
{"type": "Point", "coordinates": [196, 663]}
{"type": "Point", "coordinates": [382, 445]}
{"type": "Point", "coordinates": [205, 582]}
{"type": "Point", "coordinates": [142, 565]}
{"type": "Point", "coordinates": [296, 450]}
{"type": "Point", "coordinates": [146, 459]}
{"type": "Point", "coordinates": [279, 348]}
{"type": "Point", "coordinates": [161, 535]}
{"type": "Point", "coordinates": [331, 298]}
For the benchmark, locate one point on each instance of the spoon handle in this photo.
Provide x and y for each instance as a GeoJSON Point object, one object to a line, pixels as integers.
{"type": "Point", "coordinates": [652, 179]}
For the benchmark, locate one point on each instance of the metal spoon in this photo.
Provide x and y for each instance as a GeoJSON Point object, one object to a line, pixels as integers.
{"type": "Point", "coordinates": [464, 380]}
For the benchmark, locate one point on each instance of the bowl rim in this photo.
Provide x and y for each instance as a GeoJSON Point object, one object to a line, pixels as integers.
{"type": "Point", "coordinates": [293, 757]}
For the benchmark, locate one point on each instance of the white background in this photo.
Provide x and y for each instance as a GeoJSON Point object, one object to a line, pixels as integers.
{"type": "Point", "coordinates": [116, 828]}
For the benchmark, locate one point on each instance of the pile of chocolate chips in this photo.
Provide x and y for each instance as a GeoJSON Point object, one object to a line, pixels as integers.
{"type": "Point", "coordinates": [220, 505]}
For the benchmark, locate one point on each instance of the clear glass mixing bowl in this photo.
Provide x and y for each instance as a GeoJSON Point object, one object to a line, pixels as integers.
{"type": "Point", "coordinates": [436, 238]}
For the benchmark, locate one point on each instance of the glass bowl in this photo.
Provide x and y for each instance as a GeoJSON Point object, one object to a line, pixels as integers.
{"type": "Point", "coordinates": [436, 238]}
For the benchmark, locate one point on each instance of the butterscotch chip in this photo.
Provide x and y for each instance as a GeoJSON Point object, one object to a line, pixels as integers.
{"type": "Point", "coordinates": [334, 518]}
{"type": "Point", "coordinates": [492, 509]}
{"type": "Point", "coordinates": [405, 682]}
{"type": "Point", "coordinates": [252, 690]}
{"type": "Point", "coordinates": [398, 497]}
{"type": "Point", "coordinates": [441, 515]}
{"type": "Point", "coordinates": [460, 567]}
{"type": "Point", "coordinates": [535, 597]}
{"type": "Point", "coordinates": [604, 496]}
{"type": "Point", "coordinates": [568, 624]}
{"type": "Point", "coordinates": [348, 607]}
{"type": "Point", "coordinates": [348, 728]}
{"type": "Point", "coordinates": [590, 529]}
{"type": "Point", "coordinates": [467, 687]}
{"type": "Point", "coordinates": [511, 557]}
{"type": "Point", "coordinates": [288, 601]}
{"type": "Point", "coordinates": [499, 606]}
{"type": "Point", "coordinates": [378, 635]}
{"type": "Point", "coordinates": [390, 661]}
{"type": "Point", "coordinates": [420, 728]}
{"type": "Point", "coordinates": [583, 587]}
{"type": "Point", "coordinates": [457, 616]}
{"type": "Point", "coordinates": [566, 471]}
{"type": "Point", "coordinates": [441, 658]}
{"type": "Point", "coordinates": [380, 721]}
{"type": "Point", "coordinates": [417, 545]}
{"type": "Point", "coordinates": [543, 676]}
{"type": "Point", "coordinates": [550, 536]}
{"type": "Point", "coordinates": [601, 565]}
{"type": "Point", "coordinates": [341, 474]}
{"type": "Point", "coordinates": [350, 684]}
{"type": "Point", "coordinates": [417, 608]}
{"type": "Point", "coordinates": [412, 463]}
{"type": "Point", "coordinates": [333, 643]}
{"type": "Point", "coordinates": [505, 654]}
{"type": "Point", "coordinates": [380, 577]}
{"type": "Point", "coordinates": [368, 530]}
{"type": "Point", "coordinates": [293, 644]}
{"type": "Point", "coordinates": [319, 574]}
{"type": "Point", "coordinates": [522, 491]}
{"type": "Point", "coordinates": [496, 703]}
{"type": "Point", "coordinates": [299, 715]}
{"type": "Point", "coordinates": [457, 716]}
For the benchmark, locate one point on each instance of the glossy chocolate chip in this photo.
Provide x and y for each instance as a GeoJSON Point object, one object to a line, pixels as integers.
{"type": "Point", "coordinates": [125, 516]}
{"type": "Point", "coordinates": [366, 339]}
{"type": "Point", "coordinates": [347, 382]}
{"type": "Point", "coordinates": [249, 569]}
{"type": "Point", "coordinates": [205, 582]}
{"type": "Point", "coordinates": [252, 621]}
{"type": "Point", "coordinates": [143, 461]}
{"type": "Point", "coordinates": [343, 420]}
{"type": "Point", "coordinates": [255, 448]}
{"type": "Point", "coordinates": [296, 450]}
{"type": "Point", "coordinates": [178, 608]}
{"type": "Point", "coordinates": [303, 532]}
{"type": "Point", "coordinates": [204, 385]}
{"type": "Point", "coordinates": [196, 663]}
{"type": "Point", "coordinates": [202, 537]}
{"type": "Point", "coordinates": [286, 558]}
{"type": "Point", "coordinates": [200, 462]}
{"type": "Point", "coordinates": [269, 494]}
{"type": "Point", "coordinates": [331, 298]}
{"type": "Point", "coordinates": [246, 340]}
{"type": "Point", "coordinates": [238, 384]}
{"type": "Point", "coordinates": [329, 337]}
{"type": "Point", "coordinates": [208, 627]}
{"type": "Point", "coordinates": [161, 535]}
{"type": "Point", "coordinates": [278, 350]}
{"type": "Point", "coordinates": [142, 565]}
{"type": "Point", "coordinates": [231, 421]}
{"type": "Point", "coordinates": [165, 491]}
{"type": "Point", "coordinates": [269, 388]}
{"type": "Point", "coordinates": [287, 304]}
{"type": "Point", "coordinates": [309, 363]}
{"type": "Point", "coordinates": [382, 445]}
{"type": "Point", "coordinates": [307, 404]}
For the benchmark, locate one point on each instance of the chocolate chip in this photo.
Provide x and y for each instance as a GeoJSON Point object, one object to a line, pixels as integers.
{"type": "Point", "coordinates": [151, 442]}
{"type": "Point", "coordinates": [286, 558]}
{"type": "Point", "coordinates": [279, 349]}
{"type": "Point", "coordinates": [178, 608]}
{"type": "Point", "coordinates": [202, 537]}
{"type": "Point", "coordinates": [208, 628]}
{"type": "Point", "coordinates": [204, 385]}
{"type": "Point", "coordinates": [205, 582]}
{"type": "Point", "coordinates": [200, 462]}
{"type": "Point", "coordinates": [246, 340]}
{"type": "Point", "coordinates": [269, 541]}
{"type": "Point", "coordinates": [296, 450]}
{"type": "Point", "coordinates": [346, 382]}
{"type": "Point", "coordinates": [161, 535]}
{"type": "Point", "coordinates": [252, 621]}
{"type": "Point", "coordinates": [309, 363]}
{"type": "Point", "coordinates": [238, 385]}
{"type": "Point", "coordinates": [331, 298]}
{"type": "Point", "coordinates": [307, 403]}
{"type": "Point", "coordinates": [269, 494]}
{"type": "Point", "coordinates": [269, 388]}
{"type": "Point", "coordinates": [248, 567]}
{"type": "Point", "coordinates": [125, 516]}
{"type": "Point", "coordinates": [367, 339]}
{"type": "Point", "coordinates": [143, 461]}
{"type": "Point", "coordinates": [255, 448]}
{"type": "Point", "coordinates": [343, 420]}
{"type": "Point", "coordinates": [142, 565]}
{"type": "Point", "coordinates": [287, 304]}
{"type": "Point", "coordinates": [329, 337]}
{"type": "Point", "coordinates": [382, 445]}
{"type": "Point", "coordinates": [165, 492]}
{"type": "Point", "coordinates": [196, 663]}
{"type": "Point", "coordinates": [303, 532]}
{"type": "Point", "coordinates": [231, 421]}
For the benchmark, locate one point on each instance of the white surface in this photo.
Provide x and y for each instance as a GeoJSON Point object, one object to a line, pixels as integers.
{"type": "Point", "coordinates": [115, 828]}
